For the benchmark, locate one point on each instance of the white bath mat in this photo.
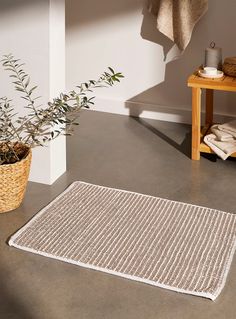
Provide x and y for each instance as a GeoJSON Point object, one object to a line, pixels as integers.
{"type": "Point", "coordinates": [173, 245]}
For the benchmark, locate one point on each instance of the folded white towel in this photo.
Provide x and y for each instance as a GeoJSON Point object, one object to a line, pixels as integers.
{"type": "Point", "coordinates": [222, 148]}
{"type": "Point", "coordinates": [223, 139]}
{"type": "Point", "coordinates": [220, 134]}
{"type": "Point", "coordinates": [229, 128]}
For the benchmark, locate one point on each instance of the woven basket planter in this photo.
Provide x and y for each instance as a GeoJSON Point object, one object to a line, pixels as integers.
{"type": "Point", "coordinates": [229, 66]}
{"type": "Point", "coordinates": [13, 181]}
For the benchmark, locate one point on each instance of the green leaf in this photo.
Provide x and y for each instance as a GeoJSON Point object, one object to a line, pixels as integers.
{"type": "Point", "coordinates": [112, 71]}
{"type": "Point", "coordinates": [27, 82]}
{"type": "Point", "coordinates": [31, 90]}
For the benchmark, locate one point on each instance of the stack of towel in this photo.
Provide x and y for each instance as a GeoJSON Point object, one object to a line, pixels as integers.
{"type": "Point", "coordinates": [222, 139]}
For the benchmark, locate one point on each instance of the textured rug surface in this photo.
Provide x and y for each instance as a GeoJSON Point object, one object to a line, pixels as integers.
{"type": "Point", "coordinates": [168, 244]}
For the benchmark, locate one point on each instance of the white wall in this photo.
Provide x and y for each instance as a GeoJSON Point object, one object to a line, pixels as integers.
{"type": "Point", "coordinates": [34, 31]}
{"type": "Point", "coordinates": [108, 34]}
{"type": "Point", "coordinates": [57, 80]}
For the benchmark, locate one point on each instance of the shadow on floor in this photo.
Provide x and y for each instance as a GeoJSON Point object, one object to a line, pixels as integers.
{"type": "Point", "coordinates": [184, 147]}
{"type": "Point", "coordinates": [10, 305]}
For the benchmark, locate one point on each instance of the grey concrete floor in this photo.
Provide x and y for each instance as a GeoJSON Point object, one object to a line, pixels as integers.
{"type": "Point", "coordinates": [151, 157]}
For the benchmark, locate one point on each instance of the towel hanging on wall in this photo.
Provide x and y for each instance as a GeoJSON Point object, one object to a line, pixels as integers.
{"type": "Point", "coordinates": [177, 18]}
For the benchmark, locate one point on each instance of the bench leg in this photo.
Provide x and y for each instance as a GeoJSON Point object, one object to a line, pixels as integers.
{"type": "Point", "coordinates": [209, 107]}
{"type": "Point", "coordinates": [196, 123]}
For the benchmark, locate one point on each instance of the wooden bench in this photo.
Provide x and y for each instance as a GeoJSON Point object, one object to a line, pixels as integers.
{"type": "Point", "coordinates": [197, 83]}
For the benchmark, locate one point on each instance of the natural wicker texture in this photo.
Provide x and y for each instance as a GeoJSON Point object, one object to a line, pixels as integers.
{"type": "Point", "coordinates": [229, 66]}
{"type": "Point", "coordinates": [13, 181]}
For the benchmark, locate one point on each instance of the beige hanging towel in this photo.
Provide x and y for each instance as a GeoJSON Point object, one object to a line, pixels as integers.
{"type": "Point", "coordinates": [177, 18]}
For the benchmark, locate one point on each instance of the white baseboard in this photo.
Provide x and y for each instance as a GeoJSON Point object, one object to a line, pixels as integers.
{"type": "Point", "coordinates": [151, 111]}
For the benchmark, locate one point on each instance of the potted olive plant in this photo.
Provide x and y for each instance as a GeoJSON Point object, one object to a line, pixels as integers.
{"type": "Point", "coordinates": [40, 125]}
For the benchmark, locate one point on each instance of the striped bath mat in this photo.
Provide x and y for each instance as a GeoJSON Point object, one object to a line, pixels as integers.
{"type": "Point", "coordinates": [173, 245]}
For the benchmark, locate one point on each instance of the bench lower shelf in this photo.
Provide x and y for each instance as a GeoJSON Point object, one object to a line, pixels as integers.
{"type": "Point", "coordinates": [205, 148]}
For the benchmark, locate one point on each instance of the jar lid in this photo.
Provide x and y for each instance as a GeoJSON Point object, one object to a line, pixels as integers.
{"type": "Point", "coordinates": [230, 60]}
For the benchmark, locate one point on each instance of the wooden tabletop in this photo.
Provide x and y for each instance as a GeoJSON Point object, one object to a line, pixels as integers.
{"type": "Point", "coordinates": [226, 83]}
